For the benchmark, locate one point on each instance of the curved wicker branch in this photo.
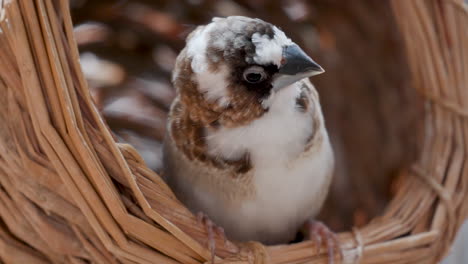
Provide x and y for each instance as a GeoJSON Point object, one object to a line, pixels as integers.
{"type": "Point", "coordinates": [70, 193]}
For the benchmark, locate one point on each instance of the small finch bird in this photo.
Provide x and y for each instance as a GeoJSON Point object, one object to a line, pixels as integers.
{"type": "Point", "coordinates": [246, 142]}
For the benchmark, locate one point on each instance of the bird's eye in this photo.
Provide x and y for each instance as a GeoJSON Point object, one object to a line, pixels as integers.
{"type": "Point", "coordinates": [254, 74]}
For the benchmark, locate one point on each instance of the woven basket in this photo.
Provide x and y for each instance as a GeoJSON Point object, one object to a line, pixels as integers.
{"type": "Point", "coordinates": [70, 193]}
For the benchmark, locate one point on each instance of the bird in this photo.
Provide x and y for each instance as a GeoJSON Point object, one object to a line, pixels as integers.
{"type": "Point", "coordinates": [246, 143]}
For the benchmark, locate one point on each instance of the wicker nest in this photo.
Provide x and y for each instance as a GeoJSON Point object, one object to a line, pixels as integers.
{"type": "Point", "coordinates": [70, 193]}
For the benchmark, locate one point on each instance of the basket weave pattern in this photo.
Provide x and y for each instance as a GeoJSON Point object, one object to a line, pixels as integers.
{"type": "Point", "coordinates": [70, 193]}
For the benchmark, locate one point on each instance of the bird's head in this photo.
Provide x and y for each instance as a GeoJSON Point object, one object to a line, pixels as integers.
{"type": "Point", "coordinates": [238, 62]}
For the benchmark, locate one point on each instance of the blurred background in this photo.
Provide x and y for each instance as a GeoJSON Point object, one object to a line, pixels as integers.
{"type": "Point", "coordinates": [128, 49]}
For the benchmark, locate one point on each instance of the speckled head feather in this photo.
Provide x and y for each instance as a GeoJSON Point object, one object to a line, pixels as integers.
{"type": "Point", "coordinates": [210, 71]}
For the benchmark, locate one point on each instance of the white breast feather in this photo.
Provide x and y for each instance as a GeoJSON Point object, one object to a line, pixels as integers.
{"type": "Point", "coordinates": [283, 187]}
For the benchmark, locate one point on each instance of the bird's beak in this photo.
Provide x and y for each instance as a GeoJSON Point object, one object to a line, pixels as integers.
{"type": "Point", "coordinates": [297, 65]}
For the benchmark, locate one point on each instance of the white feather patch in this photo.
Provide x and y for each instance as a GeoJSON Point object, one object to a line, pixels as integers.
{"type": "Point", "coordinates": [196, 48]}
{"type": "Point", "coordinates": [270, 50]}
{"type": "Point", "coordinates": [212, 84]}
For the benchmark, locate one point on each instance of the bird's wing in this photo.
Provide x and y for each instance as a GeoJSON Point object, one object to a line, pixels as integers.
{"type": "Point", "coordinates": [308, 101]}
{"type": "Point", "coordinates": [188, 138]}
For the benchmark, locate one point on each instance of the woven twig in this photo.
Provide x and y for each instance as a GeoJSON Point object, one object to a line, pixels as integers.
{"type": "Point", "coordinates": [69, 193]}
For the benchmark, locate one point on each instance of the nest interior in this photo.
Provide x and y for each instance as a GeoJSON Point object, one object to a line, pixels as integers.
{"type": "Point", "coordinates": [70, 193]}
{"type": "Point", "coordinates": [371, 109]}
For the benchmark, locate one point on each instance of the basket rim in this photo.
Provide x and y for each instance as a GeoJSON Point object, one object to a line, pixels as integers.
{"type": "Point", "coordinates": [68, 137]}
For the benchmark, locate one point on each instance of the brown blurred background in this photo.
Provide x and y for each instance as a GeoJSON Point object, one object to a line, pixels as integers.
{"type": "Point", "coordinates": [128, 49]}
